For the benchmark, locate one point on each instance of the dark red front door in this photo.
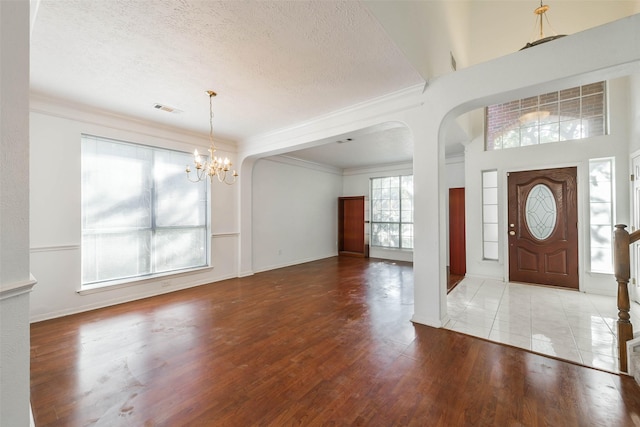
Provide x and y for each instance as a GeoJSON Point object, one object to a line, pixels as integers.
{"type": "Point", "coordinates": [543, 227]}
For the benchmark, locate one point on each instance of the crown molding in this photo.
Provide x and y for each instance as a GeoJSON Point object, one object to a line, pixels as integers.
{"type": "Point", "coordinates": [64, 109]}
{"type": "Point", "coordinates": [398, 101]}
{"type": "Point", "coordinates": [294, 161]}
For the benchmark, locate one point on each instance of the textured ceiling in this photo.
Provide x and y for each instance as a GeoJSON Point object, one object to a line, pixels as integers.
{"type": "Point", "coordinates": [272, 63]}
{"type": "Point", "coordinates": [275, 64]}
{"type": "Point", "coordinates": [363, 148]}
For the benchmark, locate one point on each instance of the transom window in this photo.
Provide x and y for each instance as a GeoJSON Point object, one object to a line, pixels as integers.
{"type": "Point", "coordinates": [392, 212]}
{"type": "Point", "coordinates": [140, 214]}
{"type": "Point", "coordinates": [569, 114]}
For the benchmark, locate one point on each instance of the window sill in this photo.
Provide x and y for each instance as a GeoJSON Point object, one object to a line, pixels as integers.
{"type": "Point", "coordinates": [136, 281]}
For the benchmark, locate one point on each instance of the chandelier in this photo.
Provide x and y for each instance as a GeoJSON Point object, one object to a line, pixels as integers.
{"type": "Point", "coordinates": [212, 166]}
{"type": "Point", "coordinates": [540, 13]}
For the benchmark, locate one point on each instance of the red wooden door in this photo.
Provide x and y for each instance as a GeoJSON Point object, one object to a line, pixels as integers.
{"type": "Point", "coordinates": [351, 239]}
{"type": "Point", "coordinates": [543, 227]}
{"type": "Point", "coordinates": [457, 245]}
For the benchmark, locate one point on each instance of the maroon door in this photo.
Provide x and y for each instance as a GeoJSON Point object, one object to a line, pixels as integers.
{"type": "Point", "coordinates": [351, 239]}
{"type": "Point", "coordinates": [543, 227]}
{"type": "Point", "coordinates": [457, 246]}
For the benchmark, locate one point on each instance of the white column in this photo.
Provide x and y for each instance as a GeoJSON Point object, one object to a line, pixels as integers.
{"type": "Point", "coordinates": [15, 280]}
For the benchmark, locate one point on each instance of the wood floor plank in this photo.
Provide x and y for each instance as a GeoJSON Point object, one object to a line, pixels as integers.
{"type": "Point", "coordinates": [323, 343]}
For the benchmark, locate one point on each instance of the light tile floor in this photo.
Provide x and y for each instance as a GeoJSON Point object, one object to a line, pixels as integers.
{"type": "Point", "coordinates": [566, 324]}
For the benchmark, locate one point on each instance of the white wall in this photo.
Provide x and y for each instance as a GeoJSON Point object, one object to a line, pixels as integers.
{"type": "Point", "coordinates": [356, 183]}
{"type": "Point", "coordinates": [571, 153]}
{"type": "Point", "coordinates": [15, 279]}
{"type": "Point", "coordinates": [295, 212]}
{"type": "Point", "coordinates": [634, 113]}
{"type": "Point", "coordinates": [454, 166]}
{"type": "Point", "coordinates": [55, 210]}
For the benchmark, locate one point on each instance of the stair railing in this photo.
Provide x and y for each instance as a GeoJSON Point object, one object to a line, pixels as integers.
{"type": "Point", "coordinates": [621, 261]}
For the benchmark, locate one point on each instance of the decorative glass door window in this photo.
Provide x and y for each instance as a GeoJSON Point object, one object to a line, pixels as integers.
{"type": "Point", "coordinates": [542, 212]}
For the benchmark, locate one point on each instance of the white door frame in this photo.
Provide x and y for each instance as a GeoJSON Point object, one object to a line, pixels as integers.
{"type": "Point", "coordinates": [634, 283]}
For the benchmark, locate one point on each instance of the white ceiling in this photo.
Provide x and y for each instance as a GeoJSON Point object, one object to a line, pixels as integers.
{"type": "Point", "coordinates": [273, 64]}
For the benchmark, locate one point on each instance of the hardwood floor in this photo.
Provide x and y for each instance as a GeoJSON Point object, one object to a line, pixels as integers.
{"type": "Point", "coordinates": [323, 343]}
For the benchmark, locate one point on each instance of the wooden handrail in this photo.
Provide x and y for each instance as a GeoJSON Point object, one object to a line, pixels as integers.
{"type": "Point", "coordinates": [621, 261]}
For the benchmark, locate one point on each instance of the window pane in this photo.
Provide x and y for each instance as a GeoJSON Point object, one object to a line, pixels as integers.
{"type": "Point", "coordinates": [180, 248]}
{"type": "Point", "coordinates": [490, 213]}
{"type": "Point", "coordinates": [115, 256]}
{"type": "Point", "coordinates": [407, 236]}
{"type": "Point", "coordinates": [490, 250]}
{"type": "Point", "coordinates": [489, 196]}
{"type": "Point", "coordinates": [179, 201]}
{"type": "Point", "coordinates": [489, 179]}
{"type": "Point", "coordinates": [570, 129]}
{"type": "Point", "coordinates": [116, 186]}
{"type": "Point", "coordinates": [490, 232]}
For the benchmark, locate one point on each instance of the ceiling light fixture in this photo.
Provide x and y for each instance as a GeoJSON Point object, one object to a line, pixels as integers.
{"type": "Point", "coordinates": [212, 166]}
{"type": "Point", "coordinates": [540, 13]}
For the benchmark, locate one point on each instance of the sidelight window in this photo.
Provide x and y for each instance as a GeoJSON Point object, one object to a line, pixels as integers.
{"type": "Point", "coordinates": [601, 214]}
{"type": "Point", "coordinates": [490, 215]}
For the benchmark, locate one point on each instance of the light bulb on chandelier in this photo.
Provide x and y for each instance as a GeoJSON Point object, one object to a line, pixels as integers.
{"type": "Point", "coordinates": [213, 166]}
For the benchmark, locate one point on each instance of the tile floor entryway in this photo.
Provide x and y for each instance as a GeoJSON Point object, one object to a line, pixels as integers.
{"type": "Point", "coordinates": [562, 323]}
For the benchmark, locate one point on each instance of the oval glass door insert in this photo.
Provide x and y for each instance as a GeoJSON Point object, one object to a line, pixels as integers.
{"type": "Point", "coordinates": [541, 212]}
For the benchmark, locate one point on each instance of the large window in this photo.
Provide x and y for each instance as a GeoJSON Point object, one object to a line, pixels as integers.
{"type": "Point", "coordinates": [140, 214]}
{"type": "Point", "coordinates": [568, 114]}
{"type": "Point", "coordinates": [392, 212]}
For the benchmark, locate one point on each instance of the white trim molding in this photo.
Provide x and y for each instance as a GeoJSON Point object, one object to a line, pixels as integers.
{"type": "Point", "coordinates": [229, 234]}
{"type": "Point", "coordinates": [55, 248]}
{"type": "Point", "coordinates": [14, 289]}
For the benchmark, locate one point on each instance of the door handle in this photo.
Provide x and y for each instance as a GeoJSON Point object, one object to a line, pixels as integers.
{"type": "Point", "coordinates": [512, 233]}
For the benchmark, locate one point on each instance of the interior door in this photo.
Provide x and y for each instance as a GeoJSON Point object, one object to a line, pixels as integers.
{"type": "Point", "coordinates": [351, 239]}
{"type": "Point", "coordinates": [457, 245]}
{"type": "Point", "coordinates": [543, 227]}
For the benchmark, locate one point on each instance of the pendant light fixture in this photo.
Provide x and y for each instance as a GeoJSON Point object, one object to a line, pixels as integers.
{"type": "Point", "coordinates": [541, 15]}
{"type": "Point", "coordinates": [213, 166]}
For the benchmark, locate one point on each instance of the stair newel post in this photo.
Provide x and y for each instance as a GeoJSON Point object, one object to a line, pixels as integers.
{"type": "Point", "coordinates": [621, 261]}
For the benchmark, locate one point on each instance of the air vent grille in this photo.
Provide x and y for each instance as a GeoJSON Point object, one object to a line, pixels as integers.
{"type": "Point", "coordinates": [166, 108]}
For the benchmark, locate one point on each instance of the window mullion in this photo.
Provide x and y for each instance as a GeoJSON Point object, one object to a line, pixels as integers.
{"type": "Point", "coordinates": [154, 210]}
{"type": "Point", "coordinates": [400, 209]}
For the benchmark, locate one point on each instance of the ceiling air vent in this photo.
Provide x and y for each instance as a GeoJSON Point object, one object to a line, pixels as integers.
{"type": "Point", "coordinates": [166, 108]}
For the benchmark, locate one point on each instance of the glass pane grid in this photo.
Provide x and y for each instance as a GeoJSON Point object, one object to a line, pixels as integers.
{"type": "Point", "coordinates": [569, 114]}
{"type": "Point", "coordinates": [490, 215]}
{"type": "Point", "coordinates": [140, 215]}
{"type": "Point", "coordinates": [392, 212]}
